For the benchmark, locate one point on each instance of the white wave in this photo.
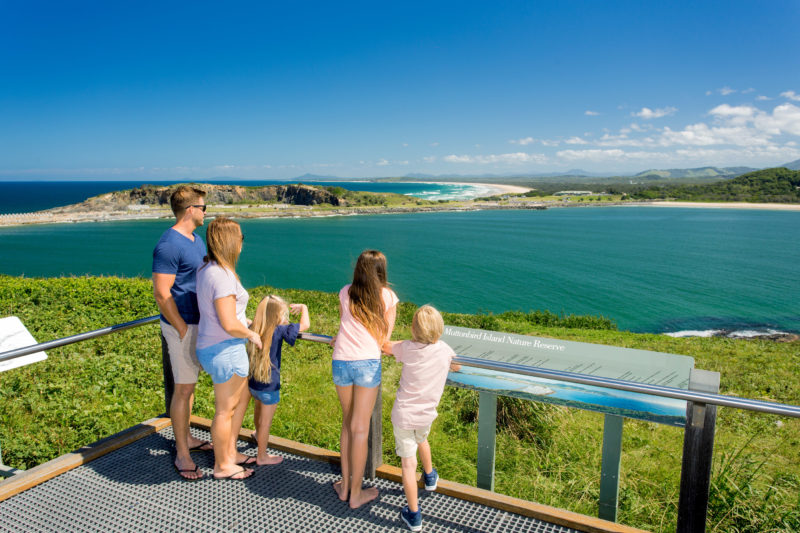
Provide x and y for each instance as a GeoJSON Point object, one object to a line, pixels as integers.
{"type": "Point", "coordinates": [731, 334]}
{"type": "Point", "coordinates": [696, 333]}
{"type": "Point", "coordinates": [750, 333]}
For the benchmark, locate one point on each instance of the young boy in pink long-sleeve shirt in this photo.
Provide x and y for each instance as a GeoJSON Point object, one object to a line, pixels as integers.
{"type": "Point", "coordinates": [426, 362]}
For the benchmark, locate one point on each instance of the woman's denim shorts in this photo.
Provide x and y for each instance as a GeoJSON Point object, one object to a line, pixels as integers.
{"type": "Point", "coordinates": [224, 359]}
{"type": "Point", "coordinates": [365, 373]}
{"type": "Point", "coordinates": [267, 397]}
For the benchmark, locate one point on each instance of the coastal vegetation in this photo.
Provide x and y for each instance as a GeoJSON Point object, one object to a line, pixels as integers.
{"type": "Point", "coordinates": [771, 185]}
{"type": "Point", "coordinates": [157, 197]}
{"type": "Point", "coordinates": [86, 391]}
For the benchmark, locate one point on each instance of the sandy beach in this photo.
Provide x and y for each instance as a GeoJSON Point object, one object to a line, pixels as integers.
{"type": "Point", "coordinates": [727, 205]}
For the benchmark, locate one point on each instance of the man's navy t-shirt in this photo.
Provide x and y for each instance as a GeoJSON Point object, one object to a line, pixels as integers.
{"type": "Point", "coordinates": [179, 255]}
{"type": "Point", "coordinates": [285, 332]}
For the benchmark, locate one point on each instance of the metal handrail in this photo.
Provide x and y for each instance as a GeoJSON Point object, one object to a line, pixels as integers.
{"type": "Point", "coordinates": [630, 386]}
{"type": "Point", "coordinates": [57, 343]}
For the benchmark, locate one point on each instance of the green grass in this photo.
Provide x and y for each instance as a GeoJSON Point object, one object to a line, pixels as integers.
{"type": "Point", "coordinates": [547, 454]}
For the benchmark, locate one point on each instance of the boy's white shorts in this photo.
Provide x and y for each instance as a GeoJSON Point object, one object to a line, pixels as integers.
{"type": "Point", "coordinates": [406, 441]}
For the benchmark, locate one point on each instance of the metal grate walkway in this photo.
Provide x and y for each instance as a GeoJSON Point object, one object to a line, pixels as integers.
{"type": "Point", "coordinates": [135, 489]}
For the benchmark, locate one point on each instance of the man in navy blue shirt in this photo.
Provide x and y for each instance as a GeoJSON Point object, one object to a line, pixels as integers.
{"type": "Point", "coordinates": [176, 257]}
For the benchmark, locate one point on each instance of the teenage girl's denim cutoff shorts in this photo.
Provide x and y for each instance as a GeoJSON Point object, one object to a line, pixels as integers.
{"type": "Point", "coordinates": [224, 359]}
{"type": "Point", "coordinates": [267, 397]}
{"type": "Point", "coordinates": [365, 373]}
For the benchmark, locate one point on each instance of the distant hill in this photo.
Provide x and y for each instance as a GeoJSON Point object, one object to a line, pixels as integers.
{"type": "Point", "coordinates": [702, 172]}
{"type": "Point", "coordinates": [771, 185]}
{"type": "Point", "coordinates": [794, 165]}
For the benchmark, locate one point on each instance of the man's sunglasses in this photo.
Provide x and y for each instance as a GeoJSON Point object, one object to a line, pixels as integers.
{"type": "Point", "coordinates": [200, 207]}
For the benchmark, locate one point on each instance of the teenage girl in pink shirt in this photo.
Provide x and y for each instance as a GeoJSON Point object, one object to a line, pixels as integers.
{"type": "Point", "coordinates": [367, 308]}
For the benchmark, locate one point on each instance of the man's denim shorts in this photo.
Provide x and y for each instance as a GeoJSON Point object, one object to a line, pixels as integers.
{"type": "Point", "coordinates": [224, 359]}
{"type": "Point", "coordinates": [267, 397]}
{"type": "Point", "coordinates": [365, 373]}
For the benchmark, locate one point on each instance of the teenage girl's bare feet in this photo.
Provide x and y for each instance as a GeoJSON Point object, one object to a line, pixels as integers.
{"type": "Point", "coordinates": [337, 486]}
{"type": "Point", "coordinates": [366, 496]}
{"type": "Point", "coordinates": [271, 460]}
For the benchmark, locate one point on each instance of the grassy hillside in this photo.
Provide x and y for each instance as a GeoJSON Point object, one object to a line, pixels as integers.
{"type": "Point", "coordinates": [771, 185]}
{"type": "Point", "coordinates": [546, 454]}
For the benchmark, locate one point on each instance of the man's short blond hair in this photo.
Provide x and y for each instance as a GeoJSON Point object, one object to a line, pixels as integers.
{"type": "Point", "coordinates": [427, 325]}
{"type": "Point", "coordinates": [183, 197]}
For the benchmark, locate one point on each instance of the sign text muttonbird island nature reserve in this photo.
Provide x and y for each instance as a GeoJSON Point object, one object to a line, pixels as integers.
{"type": "Point", "coordinates": [627, 364]}
{"type": "Point", "coordinates": [642, 366]}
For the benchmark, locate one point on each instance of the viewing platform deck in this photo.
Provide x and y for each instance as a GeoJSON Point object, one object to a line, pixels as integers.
{"type": "Point", "coordinates": [126, 483]}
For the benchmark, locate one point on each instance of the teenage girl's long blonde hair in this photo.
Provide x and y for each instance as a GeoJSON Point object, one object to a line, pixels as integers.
{"type": "Point", "coordinates": [270, 312]}
{"type": "Point", "coordinates": [224, 242]}
{"type": "Point", "coordinates": [366, 293]}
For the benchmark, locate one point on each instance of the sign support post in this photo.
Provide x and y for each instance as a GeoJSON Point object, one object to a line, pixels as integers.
{"type": "Point", "coordinates": [487, 436]}
{"type": "Point", "coordinates": [609, 472]}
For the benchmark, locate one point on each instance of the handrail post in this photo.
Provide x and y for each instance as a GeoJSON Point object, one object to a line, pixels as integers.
{"type": "Point", "coordinates": [375, 438]}
{"type": "Point", "coordinates": [487, 438]}
{"type": "Point", "coordinates": [698, 451]}
{"type": "Point", "coordinates": [169, 379]}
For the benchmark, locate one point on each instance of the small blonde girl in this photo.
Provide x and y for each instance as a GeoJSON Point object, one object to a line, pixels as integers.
{"type": "Point", "coordinates": [272, 325]}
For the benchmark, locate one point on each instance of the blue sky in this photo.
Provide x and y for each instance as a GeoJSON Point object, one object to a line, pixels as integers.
{"type": "Point", "coordinates": [274, 90]}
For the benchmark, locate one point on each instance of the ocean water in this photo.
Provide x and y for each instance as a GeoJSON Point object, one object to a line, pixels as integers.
{"type": "Point", "coordinates": [27, 196]}
{"type": "Point", "coordinates": [649, 269]}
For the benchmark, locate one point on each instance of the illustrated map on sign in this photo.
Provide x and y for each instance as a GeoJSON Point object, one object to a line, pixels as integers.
{"type": "Point", "coordinates": [627, 364]}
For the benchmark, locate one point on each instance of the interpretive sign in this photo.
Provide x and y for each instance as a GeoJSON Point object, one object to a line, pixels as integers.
{"type": "Point", "coordinates": [13, 334]}
{"type": "Point", "coordinates": [627, 364]}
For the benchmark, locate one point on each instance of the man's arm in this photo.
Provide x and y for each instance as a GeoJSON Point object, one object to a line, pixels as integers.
{"type": "Point", "coordinates": [162, 283]}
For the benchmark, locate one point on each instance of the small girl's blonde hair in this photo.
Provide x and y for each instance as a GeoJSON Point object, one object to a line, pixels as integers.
{"type": "Point", "coordinates": [270, 312]}
{"type": "Point", "coordinates": [427, 325]}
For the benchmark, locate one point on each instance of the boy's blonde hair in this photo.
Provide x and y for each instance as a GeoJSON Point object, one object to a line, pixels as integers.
{"type": "Point", "coordinates": [271, 311]}
{"type": "Point", "coordinates": [427, 325]}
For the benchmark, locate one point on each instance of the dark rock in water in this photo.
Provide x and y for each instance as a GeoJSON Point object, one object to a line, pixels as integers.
{"type": "Point", "coordinates": [781, 337]}
{"type": "Point", "coordinates": [777, 336]}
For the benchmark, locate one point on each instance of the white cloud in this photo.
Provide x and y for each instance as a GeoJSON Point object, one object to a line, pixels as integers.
{"type": "Point", "coordinates": [405, 145]}
{"type": "Point", "coordinates": [614, 154]}
{"type": "Point", "coordinates": [785, 119]}
{"type": "Point", "coordinates": [762, 98]}
{"type": "Point", "coordinates": [591, 113]}
{"type": "Point", "coordinates": [725, 91]}
{"type": "Point", "coordinates": [382, 163]}
{"type": "Point", "coordinates": [791, 95]}
{"type": "Point", "coordinates": [523, 141]}
{"type": "Point", "coordinates": [748, 91]}
{"type": "Point", "coordinates": [513, 158]}
{"type": "Point", "coordinates": [434, 144]}
{"type": "Point", "coordinates": [550, 143]}
{"type": "Point", "coordinates": [647, 114]}
{"type": "Point", "coordinates": [734, 114]}
{"type": "Point", "coordinates": [576, 140]}
{"type": "Point", "coordinates": [429, 159]}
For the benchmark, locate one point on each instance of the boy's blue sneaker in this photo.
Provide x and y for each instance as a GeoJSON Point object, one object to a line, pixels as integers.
{"type": "Point", "coordinates": [431, 480]}
{"type": "Point", "coordinates": [413, 520]}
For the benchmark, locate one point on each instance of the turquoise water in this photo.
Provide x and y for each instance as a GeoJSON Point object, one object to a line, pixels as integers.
{"type": "Point", "coordinates": [650, 269]}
